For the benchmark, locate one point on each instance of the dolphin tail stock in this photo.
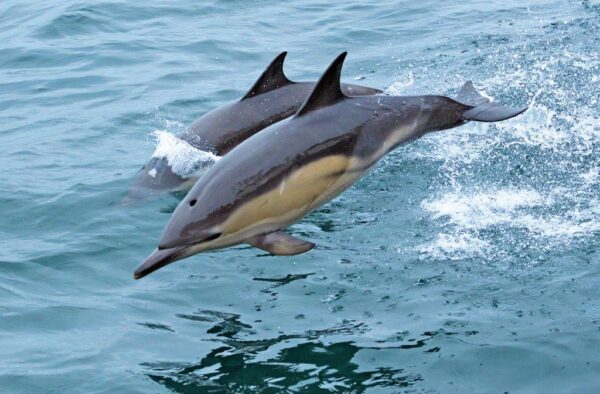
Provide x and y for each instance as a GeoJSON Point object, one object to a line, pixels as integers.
{"type": "Point", "coordinates": [481, 108]}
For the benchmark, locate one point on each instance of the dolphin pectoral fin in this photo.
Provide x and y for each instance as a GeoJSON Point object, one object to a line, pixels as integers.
{"type": "Point", "coordinates": [280, 244]}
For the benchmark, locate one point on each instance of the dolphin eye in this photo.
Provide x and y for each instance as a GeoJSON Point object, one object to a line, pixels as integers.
{"type": "Point", "coordinates": [193, 202]}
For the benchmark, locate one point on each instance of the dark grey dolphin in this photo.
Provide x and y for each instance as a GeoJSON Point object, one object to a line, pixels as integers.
{"type": "Point", "coordinates": [291, 168]}
{"type": "Point", "coordinates": [273, 97]}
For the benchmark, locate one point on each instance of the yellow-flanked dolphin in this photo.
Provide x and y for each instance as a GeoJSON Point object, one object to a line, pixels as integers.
{"type": "Point", "coordinates": [278, 176]}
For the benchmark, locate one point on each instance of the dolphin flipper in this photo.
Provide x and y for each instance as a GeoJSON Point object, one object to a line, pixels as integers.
{"type": "Point", "coordinates": [280, 244]}
{"type": "Point", "coordinates": [482, 109]}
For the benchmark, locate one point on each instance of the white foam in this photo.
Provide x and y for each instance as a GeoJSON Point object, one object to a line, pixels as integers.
{"type": "Point", "coordinates": [478, 210]}
{"type": "Point", "coordinates": [399, 88]}
{"type": "Point", "coordinates": [590, 177]}
{"type": "Point", "coordinates": [454, 246]}
{"type": "Point", "coordinates": [564, 227]}
{"type": "Point", "coordinates": [184, 159]}
{"type": "Point", "coordinates": [538, 217]}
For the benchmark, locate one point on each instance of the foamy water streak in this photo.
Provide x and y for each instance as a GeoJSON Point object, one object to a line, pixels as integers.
{"type": "Point", "coordinates": [483, 223]}
{"type": "Point", "coordinates": [183, 158]}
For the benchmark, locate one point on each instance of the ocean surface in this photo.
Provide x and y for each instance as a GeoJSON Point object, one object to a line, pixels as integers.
{"type": "Point", "coordinates": [465, 262]}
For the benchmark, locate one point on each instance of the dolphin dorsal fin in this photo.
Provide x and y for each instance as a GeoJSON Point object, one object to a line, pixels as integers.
{"type": "Point", "coordinates": [328, 90]}
{"type": "Point", "coordinates": [271, 79]}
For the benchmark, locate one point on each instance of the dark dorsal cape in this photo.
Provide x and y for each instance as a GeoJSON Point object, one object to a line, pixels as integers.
{"type": "Point", "coordinates": [272, 78]}
{"type": "Point", "coordinates": [328, 89]}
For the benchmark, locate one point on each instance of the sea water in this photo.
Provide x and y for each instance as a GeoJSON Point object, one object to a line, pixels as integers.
{"type": "Point", "coordinates": [466, 261]}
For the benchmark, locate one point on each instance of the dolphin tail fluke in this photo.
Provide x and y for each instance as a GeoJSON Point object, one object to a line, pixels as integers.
{"type": "Point", "coordinates": [482, 109]}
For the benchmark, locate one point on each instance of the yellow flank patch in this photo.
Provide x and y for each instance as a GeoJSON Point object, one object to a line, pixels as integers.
{"type": "Point", "coordinates": [302, 190]}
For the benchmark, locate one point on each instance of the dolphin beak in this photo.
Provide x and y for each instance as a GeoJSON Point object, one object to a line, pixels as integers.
{"type": "Point", "coordinates": [158, 259]}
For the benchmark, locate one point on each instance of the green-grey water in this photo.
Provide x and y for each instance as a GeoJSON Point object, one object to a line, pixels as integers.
{"type": "Point", "coordinates": [466, 262]}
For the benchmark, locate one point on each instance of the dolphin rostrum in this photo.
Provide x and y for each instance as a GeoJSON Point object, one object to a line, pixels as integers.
{"type": "Point", "coordinates": [273, 97]}
{"type": "Point", "coordinates": [278, 176]}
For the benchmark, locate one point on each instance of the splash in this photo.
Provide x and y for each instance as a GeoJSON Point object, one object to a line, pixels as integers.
{"type": "Point", "coordinates": [184, 159]}
{"type": "Point", "coordinates": [475, 211]}
{"type": "Point", "coordinates": [455, 247]}
{"type": "Point", "coordinates": [484, 223]}
{"type": "Point", "coordinates": [399, 87]}
{"type": "Point", "coordinates": [527, 186]}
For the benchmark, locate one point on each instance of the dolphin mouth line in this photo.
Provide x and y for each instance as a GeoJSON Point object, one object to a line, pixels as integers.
{"type": "Point", "coordinates": [158, 259]}
{"type": "Point", "coordinates": [211, 237]}
{"type": "Point", "coordinates": [165, 256]}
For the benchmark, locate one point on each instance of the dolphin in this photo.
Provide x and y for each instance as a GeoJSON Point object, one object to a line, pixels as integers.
{"type": "Point", "coordinates": [273, 97]}
{"type": "Point", "coordinates": [278, 176]}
